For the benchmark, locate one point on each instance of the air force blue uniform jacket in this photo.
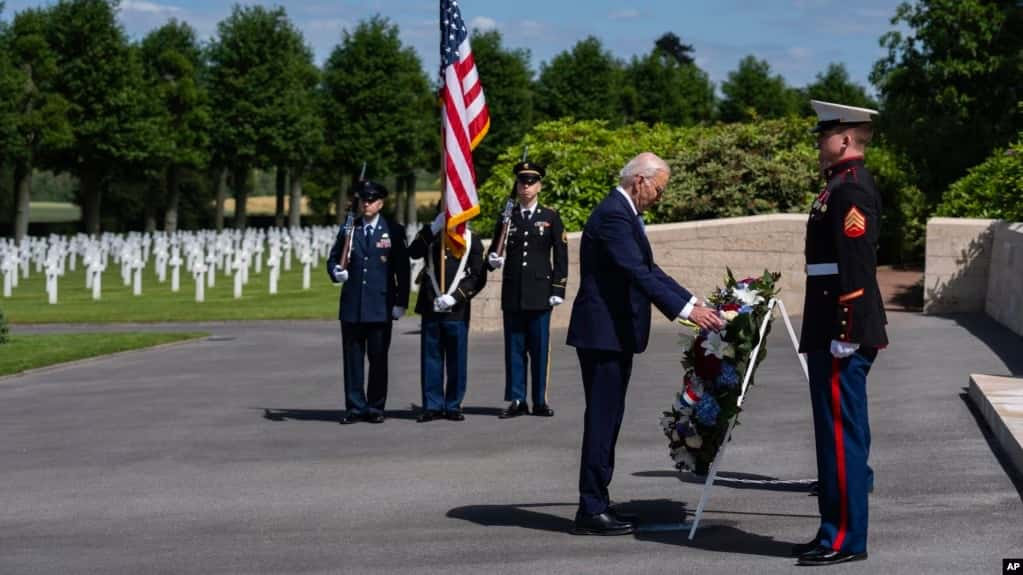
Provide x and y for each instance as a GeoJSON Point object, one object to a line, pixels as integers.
{"type": "Point", "coordinates": [378, 272]}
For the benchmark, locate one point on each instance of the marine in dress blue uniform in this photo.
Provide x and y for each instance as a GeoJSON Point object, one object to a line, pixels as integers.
{"type": "Point", "coordinates": [375, 292]}
{"type": "Point", "coordinates": [610, 323]}
{"type": "Point", "coordinates": [534, 276]}
{"type": "Point", "coordinates": [843, 329]}
{"type": "Point", "coordinates": [444, 339]}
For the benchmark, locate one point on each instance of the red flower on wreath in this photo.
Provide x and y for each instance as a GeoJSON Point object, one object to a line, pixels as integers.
{"type": "Point", "coordinates": [706, 365]}
{"type": "Point", "coordinates": [731, 307]}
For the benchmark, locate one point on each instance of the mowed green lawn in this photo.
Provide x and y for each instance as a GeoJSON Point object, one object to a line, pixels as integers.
{"type": "Point", "coordinates": [157, 303]}
{"type": "Point", "coordinates": [24, 352]}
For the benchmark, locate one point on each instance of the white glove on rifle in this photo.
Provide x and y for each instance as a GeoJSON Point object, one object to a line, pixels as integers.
{"type": "Point", "coordinates": [555, 301]}
{"type": "Point", "coordinates": [340, 274]}
{"type": "Point", "coordinates": [438, 224]}
{"type": "Point", "coordinates": [842, 349]}
{"type": "Point", "coordinates": [397, 312]}
{"type": "Point", "coordinates": [495, 260]}
{"type": "Point", "coordinates": [443, 303]}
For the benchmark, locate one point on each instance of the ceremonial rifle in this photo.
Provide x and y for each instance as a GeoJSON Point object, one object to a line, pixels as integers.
{"type": "Point", "coordinates": [349, 226]}
{"type": "Point", "coordinates": [506, 214]}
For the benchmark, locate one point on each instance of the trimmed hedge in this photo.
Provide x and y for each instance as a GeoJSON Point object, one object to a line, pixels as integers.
{"type": "Point", "coordinates": [993, 189]}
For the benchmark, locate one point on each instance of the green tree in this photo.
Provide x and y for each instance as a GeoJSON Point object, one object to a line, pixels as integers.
{"type": "Point", "coordinates": [249, 74]}
{"type": "Point", "coordinates": [584, 83]}
{"type": "Point", "coordinates": [752, 91]}
{"type": "Point", "coordinates": [950, 86]}
{"type": "Point", "coordinates": [667, 86]}
{"type": "Point", "coordinates": [834, 85]}
{"type": "Point", "coordinates": [377, 105]}
{"type": "Point", "coordinates": [506, 79]}
{"type": "Point", "coordinates": [173, 66]}
{"type": "Point", "coordinates": [109, 109]}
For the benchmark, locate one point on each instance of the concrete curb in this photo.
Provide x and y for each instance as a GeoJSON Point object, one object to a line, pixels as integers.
{"type": "Point", "coordinates": [87, 360]}
{"type": "Point", "coordinates": [1000, 402]}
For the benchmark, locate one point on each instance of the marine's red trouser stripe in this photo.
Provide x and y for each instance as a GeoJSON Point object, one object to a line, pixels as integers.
{"type": "Point", "coordinates": [836, 416]}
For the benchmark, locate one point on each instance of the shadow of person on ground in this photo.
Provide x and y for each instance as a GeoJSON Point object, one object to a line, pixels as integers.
{"type": "Point", "coordinates": [517, 515]}
{"type": "Point", "coordinates": [737, 480]}
{"type": "Point", "coordinates": [331, 415]}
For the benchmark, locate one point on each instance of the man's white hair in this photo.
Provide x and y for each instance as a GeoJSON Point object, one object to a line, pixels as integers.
{"type": "Point", "coordinates": [646, 164]}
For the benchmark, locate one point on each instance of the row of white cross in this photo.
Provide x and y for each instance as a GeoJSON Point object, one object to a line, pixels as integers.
{"type": "Point", "coordinates": [203, 253]}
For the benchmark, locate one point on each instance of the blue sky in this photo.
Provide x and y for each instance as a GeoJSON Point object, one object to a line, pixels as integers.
{"type": "Point", "coordinates": [797, 37]}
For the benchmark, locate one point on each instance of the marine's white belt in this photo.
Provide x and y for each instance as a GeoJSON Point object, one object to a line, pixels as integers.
{"type": "Point", "coordinates": [828, 269]}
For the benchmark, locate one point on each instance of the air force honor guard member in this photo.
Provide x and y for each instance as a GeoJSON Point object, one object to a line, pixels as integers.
{"type": "Point", "coordinates": [535, 262]}
{"type": "Point", "coordinates": [843, 329]}
{"type": "Point", "coordinates": [375, 293]}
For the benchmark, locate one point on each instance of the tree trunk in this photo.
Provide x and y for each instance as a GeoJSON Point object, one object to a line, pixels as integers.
{"type": "Point", "coordinates": [149, 209]}
{"type": "Point", "coordinates": [91, 197]}
{"type": "Point", "coordinates": [23, 198]}
{"type": "Point", "coordinates": [295, 202]}
{"type": "Point", "coordinates": [341, 201]}
{"type": "Point", "coordinates": [241, 196]}
{"type": "Point", "coordinates": [411, 225]}
{"type": "Point", "coordinates": [282, 183]}
{"type": "Point", "coordinates": [396, 204]}
{"type": "Point", "coordinates": [170, 219]}
{"type": "Point", "coordinates": [221, 196]}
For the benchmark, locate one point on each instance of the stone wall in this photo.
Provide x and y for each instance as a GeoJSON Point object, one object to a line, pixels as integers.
{"type": "Point", "coordinates": [696, 255]}
{"type": "Point", "coordinates": [1004, 300]}
{"type": "Point", "coordinates": [957, 264]}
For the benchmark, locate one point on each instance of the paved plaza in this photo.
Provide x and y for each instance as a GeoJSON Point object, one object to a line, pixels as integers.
{"type": "Point", "coordinates": [165, 461]}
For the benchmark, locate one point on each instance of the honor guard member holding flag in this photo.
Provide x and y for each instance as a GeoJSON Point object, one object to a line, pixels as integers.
{"type": "Point", "coordinates": [535, 262]}
{"type": "Point", "coordinates": [375, 292]}
{"type": "Point", "coordinates": [843, 329]}
{"type": "Point", "coordinates": [444, 340]}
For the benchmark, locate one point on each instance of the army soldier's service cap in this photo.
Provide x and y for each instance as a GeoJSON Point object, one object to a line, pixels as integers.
{"type": "Point", "coordinates": [370, 191]}
{"type": "Point", "coordinates": [831, 115]}
{"type": "Point", "coordinates": [529, 167]}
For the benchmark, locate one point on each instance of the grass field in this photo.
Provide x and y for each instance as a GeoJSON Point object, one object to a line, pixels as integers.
{"type": "Point", "coordinates": [54, 212]}
{"type": "Point", "coordinates": [24, 352]}
{"type": "Point", "coordinates": [157, 303]}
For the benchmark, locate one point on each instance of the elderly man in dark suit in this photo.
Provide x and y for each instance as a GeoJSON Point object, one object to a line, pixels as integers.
{"type": "Point", "coordinates": [611, 323]}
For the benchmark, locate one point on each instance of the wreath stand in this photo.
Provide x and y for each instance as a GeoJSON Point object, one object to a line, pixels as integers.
{"type": "Point", "coordinates": [713, 471]}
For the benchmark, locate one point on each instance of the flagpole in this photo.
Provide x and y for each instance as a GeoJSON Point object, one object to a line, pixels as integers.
{"type": "Point", "coordinates": [443, 202]}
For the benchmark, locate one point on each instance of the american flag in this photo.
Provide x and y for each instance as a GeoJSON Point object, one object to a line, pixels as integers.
{"type": "Point", "coordinates": [465, 122]}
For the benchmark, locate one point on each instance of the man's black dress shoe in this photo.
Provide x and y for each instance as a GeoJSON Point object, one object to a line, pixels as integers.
{"type": "Point", "coordinates": [514, 409]}
{"type": "Point", "coordinates": [543, 410]}
{"type": "Point", "coordinates": [425, 416]}
{"type": "Point", "coordinates": [801, 548]}
{"type": "Point", "coordinates": [455, 415]}
{"type": "Point", "coordinates": [827, 556]}
{"type": "Point", "coordinates": [601, 524]}
{"type": "Point", "coordinates": [375, 417]}
{"type": "Point", "coordinates": [347, 418]}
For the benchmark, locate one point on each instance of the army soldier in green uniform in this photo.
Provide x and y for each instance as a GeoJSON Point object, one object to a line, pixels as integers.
{"type": "Point", "coordinates": [535, 270]}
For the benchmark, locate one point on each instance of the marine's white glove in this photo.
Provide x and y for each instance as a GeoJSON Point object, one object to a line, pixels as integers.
{"type": "Point", "coordinates": [842, 349]}
{"type": "Point", "coordinates": [495, 260]}
{"type": "Point", "coordinates": [438, 224]}
{"type": "Point", "coordinates": [555, 301]}
{"type": "Point", "coordinates": [397, 312]}
{"type": "Point", "coordinates": [340, 274]}
{"type": "Point", "coordinates": [443, 303]}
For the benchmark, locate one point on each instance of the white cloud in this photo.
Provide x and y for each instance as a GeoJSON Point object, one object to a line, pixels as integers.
{"type": "Point", "coordinates": [148, 7]}
{"type": "Point", "coordinates": [483, 23]}
{"type": "Point", "coordinates": [626, 14]}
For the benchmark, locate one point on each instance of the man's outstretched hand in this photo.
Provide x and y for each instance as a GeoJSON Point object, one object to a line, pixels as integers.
{"type": "Point", "coordinates": [707, 318]}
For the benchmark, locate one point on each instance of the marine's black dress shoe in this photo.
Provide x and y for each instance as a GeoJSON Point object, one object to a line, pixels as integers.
{"type": "Point", "coordinates": [375, 417]}
{"type": "Point", "coordinates": [514, 409]}
{"type": "Point", "coordinates": [801, 548]}
{"type": "Point", "coordinates": [821, 555]}
{"type": "Point", "coordinates": [543, 410]}
{"type": "Point", "coordinates": [601, 524]}
{"type": "Point", "coordinates": [455, 415]}
{"type": "Point", "coordinates": [427, 415]}
{"type": "Point", "coordinates": [349, 417]}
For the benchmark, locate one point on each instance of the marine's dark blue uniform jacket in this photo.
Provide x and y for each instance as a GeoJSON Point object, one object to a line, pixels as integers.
{"type": "Point", "coordinates": [378, 272]}
{"type": "Point", "coordinates": [618, 282]}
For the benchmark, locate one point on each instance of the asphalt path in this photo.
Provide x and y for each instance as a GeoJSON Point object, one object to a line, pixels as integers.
{"type": "Point", "coordinates": [165, 461]}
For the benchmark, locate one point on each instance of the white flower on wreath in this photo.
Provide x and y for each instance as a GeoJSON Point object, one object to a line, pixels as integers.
{"type": "Point", "coordinates": [729, 315]}
{"type": "Point", "coordinates": [717, 347]}
{"type": "Point", "coordinates": [667, 423]}
{"type": "Point", "coordinates": [694, 441]}
{"type": "Point", "coordinates": [746, 295]}
{"type": "Point", "coordinates": [682, 456]}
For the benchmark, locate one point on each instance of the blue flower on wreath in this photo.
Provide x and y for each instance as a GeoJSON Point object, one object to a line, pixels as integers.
{"type": "Point", "coordinates": [728, 377]}
{"type": "Point", "coordinates": [746, 309]}
{"type": "Point", "coordinates": [707, 411]}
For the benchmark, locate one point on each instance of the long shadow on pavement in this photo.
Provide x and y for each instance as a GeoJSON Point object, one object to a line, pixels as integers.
{"type": "Point", "coordinates": [737, 480]}
{"type": "Point", "coordinates": [998, 338]}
